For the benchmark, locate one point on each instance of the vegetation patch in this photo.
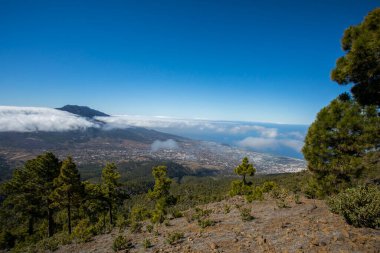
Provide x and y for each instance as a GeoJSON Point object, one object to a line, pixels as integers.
{"type": "Point", "coordinates": [174, 238]}
{"type": "Point", "coordinates": [121, 243]}
{"type": "Point", "coordinates": [360, 206]}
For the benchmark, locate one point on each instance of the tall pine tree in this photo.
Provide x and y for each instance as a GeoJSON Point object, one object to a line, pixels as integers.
{"type": "Point", "coordinates": [110, 186]}
{"type": "Point", "coordinates": [69, 189]}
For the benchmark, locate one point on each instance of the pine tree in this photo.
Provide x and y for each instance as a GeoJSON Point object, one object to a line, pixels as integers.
{"type": "Point", "coordinates": [245, 169]}
{"type": "Point", "coordinates": [343, 134]}
{"type": "Point", "coordinates": [28, 192]}
{"type": "Point", "coordinates": [20, 199]}
{"type": "Point", "coordinates": [69, 188]}
{"type": "Point", "coordinates": [361, 63]}
{"type": "Point", "coordinates": [162, 183]}
{"type": "Point", "coordinates": [110, 186]}
{"type": "Point", "coordinates": [161, 193]}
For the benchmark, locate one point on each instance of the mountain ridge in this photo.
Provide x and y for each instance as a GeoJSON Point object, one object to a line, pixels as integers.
{"type": "Point", "coordinates": [83, 111]}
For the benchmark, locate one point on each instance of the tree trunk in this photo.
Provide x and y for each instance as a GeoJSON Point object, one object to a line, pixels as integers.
{"type": "Point", "coordinates": [69, 218]}
{"type": "Point", "coordinates": [110, 209]}
{"type": "Point", "coordinates": [104, 220]}
{"type": "Point", "coordinates": [50, 223]}
{"type": "Point", "coordinates": [69, 212]}
{"type": "Point", "coordinates": [244, 181]}
{"type": "Point", "coordinates": [31, 226]}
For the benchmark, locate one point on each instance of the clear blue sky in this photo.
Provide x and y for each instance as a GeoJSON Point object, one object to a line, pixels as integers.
{"type": "Point", "coordinates": [233, 60]}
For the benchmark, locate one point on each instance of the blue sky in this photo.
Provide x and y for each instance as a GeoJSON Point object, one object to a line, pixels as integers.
{"type": "Point", "coordinates": [266, 61]}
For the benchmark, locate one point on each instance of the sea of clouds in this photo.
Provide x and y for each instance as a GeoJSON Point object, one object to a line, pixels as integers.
{"type": "Point", "coordinates": [262, 137]}
{"type": "Point", "coordinates": [273, 138]}
{"type": "Point", "coordinates": [31, 119]}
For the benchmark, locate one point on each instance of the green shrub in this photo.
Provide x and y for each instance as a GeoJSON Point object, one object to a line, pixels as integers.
{"type": "Point", "coordinates": [360, 206]}
{"type": "Point", "coordinates": [280, 194]}
{"type": "Point", "coordinates": [297, 199]}
{"type": "Point", "coordinates": [239, 188]}
{"type": "Point", "coordinates": [255, 194]}
{"type": "Point", "coordinates": [320, 187]}
{"type": "Point", "coordinates": [121, 221]}
{"type": "Point", "coordinates": [48, 244]}
{"type": "Point", "coordinates": [227, 209]}
{"type": "Point", "coordinates": [203, 223]}
{"type": "Point", "coordinates": [135, 227]}
{"type": "Point", "coordinates": [167, 223]}
{"type": "Point", "coordinates": [200, 213]}
{"type": "Point", "coordinates": [149, 228]}
{"type": "Point", "coordinates": [147, 244]}
{"type": "Point", "coordinates": [245, 214]}
{"type": "Point", "coordinates": [267, 186]}
{"type": "Point", "coordinates": [174, 238]}
{"type": "Point", "coordinates": [121, 243]}
{"type": "Point", "coordinates": [139, 213]}
{"type": "Point", "coordinates": [83, 231]}
{"type": "Point", "coordinates": [177, 214]}
{"type": "Point", "coordinates": [158, 216]}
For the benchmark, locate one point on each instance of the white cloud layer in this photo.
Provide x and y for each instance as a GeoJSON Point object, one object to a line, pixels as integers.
{"type": "Point", "coordinates": [168, 144]}
{"type": "Point", "coordinates": [244, 134]}
{"type": "Point", "coordinates": [125, 121]}
{"type": "Point", "coordinates": [29, 119]}
{"type": "Point", "coordinates": [270, 143]}
{"type": "Point", "coordinates": [264, 131]}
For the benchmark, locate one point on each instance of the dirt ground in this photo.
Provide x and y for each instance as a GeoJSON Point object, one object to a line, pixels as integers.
{"type": "Point", "coordinates": [305, 227]}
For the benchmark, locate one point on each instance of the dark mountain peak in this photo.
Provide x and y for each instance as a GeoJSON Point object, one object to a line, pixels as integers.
{"type": "Point", "coordinates": [83, 111]}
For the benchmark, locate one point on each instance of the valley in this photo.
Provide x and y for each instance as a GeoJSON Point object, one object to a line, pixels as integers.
{"type": "Point", "coordinates": [98, 147]}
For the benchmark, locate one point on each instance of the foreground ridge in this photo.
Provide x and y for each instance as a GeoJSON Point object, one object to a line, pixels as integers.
{"type": "Point", "coordinates": [305, 227]}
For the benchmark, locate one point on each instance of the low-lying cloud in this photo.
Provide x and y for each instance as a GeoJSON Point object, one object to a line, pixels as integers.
{"type": "Point", "coordinates": [31, 119]}
{"type": "Point", "coordinates": [263, 131]}
{"type": "Point", "coordinates": [168, 144]}
{"type": "Point", "coordinates": [125, 121]}
{"type": "Point", "coordinates": [260, 143]}
{"type": "Point", "coordinates": [262, 137]}
{"type": "Point", "coordinates": [226, 127]}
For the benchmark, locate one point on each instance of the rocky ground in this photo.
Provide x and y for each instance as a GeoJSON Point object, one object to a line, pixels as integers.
{"type": "Point", "coordinates": [305, 227]}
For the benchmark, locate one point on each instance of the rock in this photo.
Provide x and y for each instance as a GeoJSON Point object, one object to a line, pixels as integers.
{"type": "Point", "coordinates": [213, 245]}
{"type": "Point", "coordinates": [235, 239]}
{"type": "Point", "coordinates": [261, 240]}
{"type": "Point", "coordinates": [345, 234]}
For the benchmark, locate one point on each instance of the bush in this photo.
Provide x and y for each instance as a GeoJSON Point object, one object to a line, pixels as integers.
{"type": "Point", "coordinates": [200, 213]}
{"type": "Point", "coordinates": [121, 243]}
{"type": "Point", "coordinates": [83, 231]}
{"type": "Point", "coordinates": [203, 223]}
{"type": "Point", "coordinates": [136, 227]}
{"type": "Point", "coordinates": [239, 188]}
{"type": "Point", "coordinates": [139, 213]}
{"type": "Point", "coordinates": [245, 214]}
{"type": "Point", "coordinates": [177, 214]}
{"type": "Point", "coordinates": [49, 244]}
{"type": "Point", "coordinates": [297, 199]}
{"type": "Point", "coordinates": [227, 209]}
{"type": "Point", "coordinates": [158, 216]}
{"type": "Point", "coordinates": [255, 194]}
{"type": "Point", "coordinates": [149, 228]}
{"type": "Point", "coordinates": [360, 206]}
{"type": "Point", "coordinates": [280, 194]}
{"type": "Point", "coordinates": [322, 186]}
{"type": "Point", "coordinates": [174, 238]}
{"type": "Point", "coordinates": [121, 222]}
{"type": "Point", "coordinates": [147, 244]}
{"type": "Point", "coordinates": [268, 186]}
